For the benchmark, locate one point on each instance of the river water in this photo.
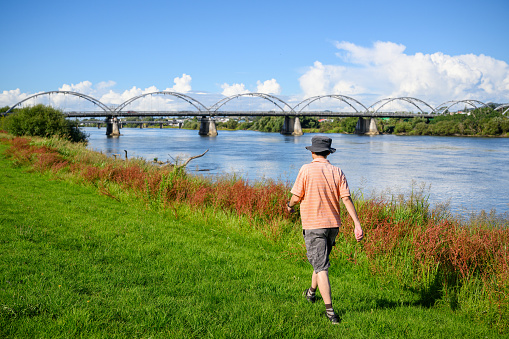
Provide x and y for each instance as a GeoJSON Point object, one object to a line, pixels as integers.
{"type": "Point", "coordinates": [469, 174]}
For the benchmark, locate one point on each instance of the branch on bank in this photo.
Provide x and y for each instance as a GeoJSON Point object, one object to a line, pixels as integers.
{"type": "Point", "coordinates": [187, 161]}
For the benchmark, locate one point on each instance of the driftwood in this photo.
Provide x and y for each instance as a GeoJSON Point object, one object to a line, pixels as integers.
{"type": "Point", "coordinates": [187, 161]}
{"type": "Point", "coordinates": [191, 158]}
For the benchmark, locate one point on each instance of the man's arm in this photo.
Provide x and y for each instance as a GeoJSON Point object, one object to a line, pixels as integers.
{"type": "Point", "coordinates": [293, 201]}
{"type": "Point", "coordinates": [359, 234]}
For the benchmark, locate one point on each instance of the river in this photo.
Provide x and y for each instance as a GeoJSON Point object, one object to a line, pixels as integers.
{"type": "Point", "coordinates": [469, 174]}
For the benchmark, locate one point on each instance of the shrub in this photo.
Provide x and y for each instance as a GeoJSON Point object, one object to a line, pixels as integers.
{"type": "Point", "coordinates": [43, 121]}
{"type": "Point", "coordinates": [403, 127]}
{"type": "Point", "coordinates": [268, 124]}
{"type": "Point", "coordinates": [348, 124]}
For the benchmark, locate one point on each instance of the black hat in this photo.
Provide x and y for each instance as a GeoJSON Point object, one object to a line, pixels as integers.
{"type": "Point", "coordinates": [320, 143]}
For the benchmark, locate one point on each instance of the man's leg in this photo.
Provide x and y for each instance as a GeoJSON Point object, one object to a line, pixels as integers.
{"type": "Point", "coordinates": [321, 279]}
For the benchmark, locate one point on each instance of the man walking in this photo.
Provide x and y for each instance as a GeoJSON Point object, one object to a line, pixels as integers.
{"type": "Point", "coordinates": [318, 188]}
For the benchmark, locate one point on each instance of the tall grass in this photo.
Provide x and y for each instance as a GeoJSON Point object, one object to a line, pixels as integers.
{"type": "Point", "coordinates": [461, 263]}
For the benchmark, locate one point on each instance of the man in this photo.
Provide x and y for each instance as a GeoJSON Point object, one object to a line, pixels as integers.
{"type": "Point", "coordinates": [318, 188]}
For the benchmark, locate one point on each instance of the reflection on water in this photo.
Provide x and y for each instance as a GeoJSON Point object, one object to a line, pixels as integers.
{"type": "Point", "coordinates": [470, 172]}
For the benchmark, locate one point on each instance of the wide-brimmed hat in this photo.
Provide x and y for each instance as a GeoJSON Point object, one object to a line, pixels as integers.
{"type": "Point", "coordinates": [320, 143]}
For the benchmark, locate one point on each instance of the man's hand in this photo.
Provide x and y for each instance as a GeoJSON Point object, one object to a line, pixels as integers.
{"type": "Point", "coordinates": [290, 204]}
{"type": "Point", "coordinates": [359, 233]}
{"type": "Point", "coordinates": [289, 209]}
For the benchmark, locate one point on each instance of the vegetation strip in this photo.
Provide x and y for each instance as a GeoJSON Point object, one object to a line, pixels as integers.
{"type": "Point", "coordinates": [162, 256]}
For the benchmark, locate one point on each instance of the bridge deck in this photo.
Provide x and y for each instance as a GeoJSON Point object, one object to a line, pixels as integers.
{"type": "Point", "coordinates": [251, 114]}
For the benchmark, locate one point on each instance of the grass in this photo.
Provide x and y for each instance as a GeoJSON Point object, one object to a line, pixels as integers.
{"type": "Point", "coordinates": [75, 263]}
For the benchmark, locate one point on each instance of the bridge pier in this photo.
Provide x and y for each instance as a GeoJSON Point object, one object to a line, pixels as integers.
{"type": "Point", "coordinates": [207, 127]}
{"type": "Point", "coordinates": [366, 126]}
{"type": "Point", "coordinates": [112, 126]}
{"type": "Point", "coordinates": [291, 126]}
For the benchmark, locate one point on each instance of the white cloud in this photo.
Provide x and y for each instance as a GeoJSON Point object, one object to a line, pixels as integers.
{"type": "Point", "coordinates": [182, 84]}
{"type": "Point", "coordinates": [84, 87]}
{"type": "Point", "coordinates": [229, 90]}
{"type": "Point", "coordinates": [12, 97]}
{"type": "Point", "coordinates": [268, 87]}
{"type": "Point", "coordinates": [105, 84]}
{"type": "Point", "coordinates": [385, 70]}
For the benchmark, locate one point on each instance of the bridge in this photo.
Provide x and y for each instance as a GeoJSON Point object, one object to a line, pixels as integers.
{"type": "Point", "coordinates": [365, 125]}
{"type": "Point", "coordinates": [140, 123]}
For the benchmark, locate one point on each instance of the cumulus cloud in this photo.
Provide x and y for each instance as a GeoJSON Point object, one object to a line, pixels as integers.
{"type": "Point", "coordinates": [268, 87]}
{"type": "Point", "coordinates": [9, 98]}
{"type": "Point", "coordinates": [182, 84]}
{"type": "Point", "coordinates": [105, 84]}
{"type": "Point", "coordinates": [385, 70]}
{"type": "Point", "coordinates": [84, 87]}
{"type": "Point", "coordinates": [229, 90]}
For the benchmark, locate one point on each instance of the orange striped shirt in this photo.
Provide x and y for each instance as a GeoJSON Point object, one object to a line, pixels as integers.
{"type": "Point", "coordinates": [320, 185]}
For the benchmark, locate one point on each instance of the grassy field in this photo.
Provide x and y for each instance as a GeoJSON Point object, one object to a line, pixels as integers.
{"type": "Point", "coordinates": [82, 260]}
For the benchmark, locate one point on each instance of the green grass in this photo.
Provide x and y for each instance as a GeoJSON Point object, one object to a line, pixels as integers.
{"type": "Point", "coordinates": [74, 263]}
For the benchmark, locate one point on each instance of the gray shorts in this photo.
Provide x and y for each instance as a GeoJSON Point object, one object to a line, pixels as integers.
{"type": "Point", "coordinates": [319, 244]}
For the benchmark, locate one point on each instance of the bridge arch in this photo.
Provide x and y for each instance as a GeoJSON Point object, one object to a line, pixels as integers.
{"type": "Point", "coordinates": [413, 101]}
{"type": "Point", "coordinates": [275, 100]}
{"type": "Point", "coordinates": [504, 108]}
{"type": "Point", "coordinates": [80, 95]}
{"type": "Point", "coordinates": [448, 104]}
{"type": "Point", "coordinates": [195, 103]}
{"type": "Point", "coordinates": [343, 98]}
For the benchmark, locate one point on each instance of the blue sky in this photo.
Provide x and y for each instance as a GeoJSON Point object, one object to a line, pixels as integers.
{"type": "Point", "coordinates": [434, 50]}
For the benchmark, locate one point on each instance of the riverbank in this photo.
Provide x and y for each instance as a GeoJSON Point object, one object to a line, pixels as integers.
{"type": "Point", "coordinates": [333, 131]}
{"type": "Point", "coordinates": [416, 274]}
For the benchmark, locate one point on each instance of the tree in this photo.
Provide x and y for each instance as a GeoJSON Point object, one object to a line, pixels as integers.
{"type": "Point", "coordinates": [402, 127]}
{"type": "Point", "coordinates": [43, 121]}
{"type": "Point", "coordinates": [348, 124]}
{"type": "Point", "coordinates": [232, 124]}
{"type": "Point", "coordinates": [421, 128]}
{"type": "Point", "coordinates": [308, 122]}
{"type": "Point", "coordinates": [268, 124]}
{"type": "Point", "coordinates": [191, 124]}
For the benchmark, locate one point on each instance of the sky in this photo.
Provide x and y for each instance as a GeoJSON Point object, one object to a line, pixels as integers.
{"type": "Point", "coordinates": [432, 50]}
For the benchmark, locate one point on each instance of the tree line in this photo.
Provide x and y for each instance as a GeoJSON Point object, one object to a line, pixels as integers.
{"type": "Point", "coordinates": [477, 122]}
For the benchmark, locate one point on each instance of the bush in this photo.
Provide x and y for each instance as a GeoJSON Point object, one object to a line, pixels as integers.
{"type": "Point", "coordinates": [192, 124]}
{"type": "Point", "coordinates": [420, 128]}
{"type": "Point", "coordinates": [403, 127]}
{"type": "Point", "coordinates": [308, 122]}
{"type": "Point", "coordinates": [268, 124]}
{"type": "Point", "coordinates": [43, 121]}
{"type": "Point", "coordinates": [348, 124]}
{"type": "Point", "coordinates": [232, 124]}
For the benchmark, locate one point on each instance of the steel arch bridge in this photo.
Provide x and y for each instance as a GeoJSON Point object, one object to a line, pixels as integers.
{"type": "Point", "coordinates": [444, 107]}
{"type": "Point", "coordinates": [413, 101]}
{"type": "Point", "coordinates": [504, 108]}
{"type": "Point", "coordinates": [275, 100]}
{"type": "Point", "coordinates": [195, 103]}
{"type": "Point", "coordinates": [105, 108]}
{"type": "Point", "coordinates": [345, 99]}
{"type": "Point", "coordinates": [285, 108]}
